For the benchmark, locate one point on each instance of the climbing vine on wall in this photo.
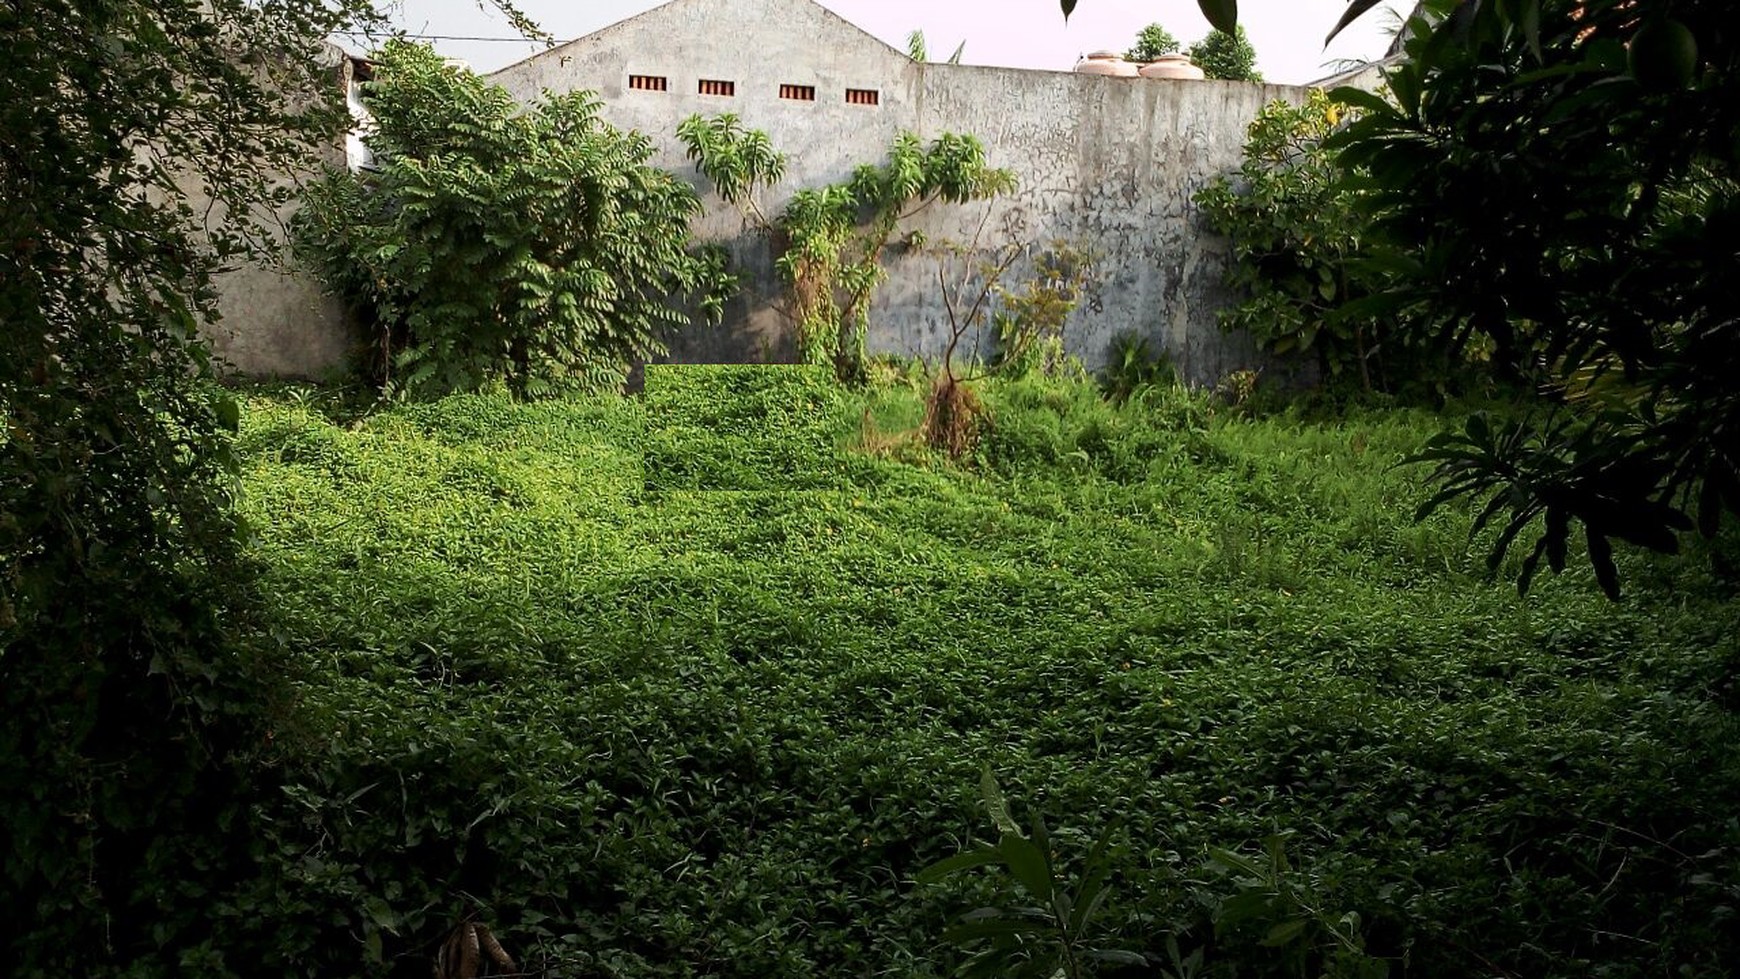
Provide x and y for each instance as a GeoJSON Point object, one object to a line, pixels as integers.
{"type": "Point", "coordinates": [830, 240]}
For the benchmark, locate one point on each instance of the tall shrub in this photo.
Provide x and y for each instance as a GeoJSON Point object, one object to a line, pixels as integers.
{"type": "Point", "coordinates": [1293, 215]}
{"type": "Point", "coordinates": [536, 248]}
{"type": "Point", "coordinates": [1559, 179]}
{"type": "Point", "coordinates": [834, 236]}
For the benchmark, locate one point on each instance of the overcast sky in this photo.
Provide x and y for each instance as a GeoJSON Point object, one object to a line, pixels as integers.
{"type": "Point", "coordinates": [1288, 34]}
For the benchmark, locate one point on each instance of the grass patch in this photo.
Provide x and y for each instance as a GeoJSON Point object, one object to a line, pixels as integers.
{"type": "Point", "coordinates": [694, 684]}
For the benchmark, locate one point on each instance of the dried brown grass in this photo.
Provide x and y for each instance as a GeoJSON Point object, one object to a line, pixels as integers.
{"type": "Point", "coordinates": [954, 417]}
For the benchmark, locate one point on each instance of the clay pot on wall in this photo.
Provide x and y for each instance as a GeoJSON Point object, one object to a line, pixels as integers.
{"type": "Point", "coordinates": [1106, 63]}
{"type": "Point", "coordinates": [1173, 66]}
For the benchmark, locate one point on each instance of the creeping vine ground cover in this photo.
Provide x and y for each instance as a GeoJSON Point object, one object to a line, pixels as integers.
{"type": "Point", "coordinates": [695, 684]}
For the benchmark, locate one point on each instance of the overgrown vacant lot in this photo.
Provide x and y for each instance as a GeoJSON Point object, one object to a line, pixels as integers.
{"type": "Point", "coordinates": [693, 684]}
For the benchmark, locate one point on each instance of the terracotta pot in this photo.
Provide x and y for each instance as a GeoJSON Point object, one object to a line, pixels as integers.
{"type": "Point", "coordinates": [1106, 63]}
{"type": "Point", "coordinates": [1177, 66]}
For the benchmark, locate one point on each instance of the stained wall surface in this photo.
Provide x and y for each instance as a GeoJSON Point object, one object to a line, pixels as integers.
{"type": "Point", "coordinates": [1109, 165]}
{"type": "Point", "coordinates": [275, 320]}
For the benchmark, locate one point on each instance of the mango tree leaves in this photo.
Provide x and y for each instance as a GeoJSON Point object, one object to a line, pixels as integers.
{"type": "Point", "coordinates": [1223, 14]}
{"type": "Point", "coordinates": [1355, 10]}
{"type": "Point", "coordinates": [534, 246]}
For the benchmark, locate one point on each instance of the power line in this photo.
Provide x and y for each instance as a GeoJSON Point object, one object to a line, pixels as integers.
{"type": "Point", "coordinates": [440, 37]}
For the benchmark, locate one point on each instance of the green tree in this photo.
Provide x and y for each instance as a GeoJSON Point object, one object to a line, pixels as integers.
{"type": "Point", "coordinates": [1152, 42]}
{"type": "Point", "coordinates": [535, 247]}
{"type": "Point", "coordinates": [1556, 179]}
{"type": "Point", "coordinates": [1296, 224]}
{"type": "Point", "coordinates": [149, 145]}
{"type": "Point", "coordinates": [147, 142]}
{"type": "Point", "coordinates": [1227, 56]}
{"type": "Point", "coordinates": [834, 236]}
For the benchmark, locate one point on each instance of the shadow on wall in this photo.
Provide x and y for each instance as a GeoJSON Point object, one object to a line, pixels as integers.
{"type": "Point", "coordinates": [754, 329]}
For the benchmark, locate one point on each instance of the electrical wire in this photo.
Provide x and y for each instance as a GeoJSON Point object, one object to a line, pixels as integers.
{"type": "Point", "coordinates": [440, 37]}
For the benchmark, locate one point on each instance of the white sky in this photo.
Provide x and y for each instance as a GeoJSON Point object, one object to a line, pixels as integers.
{"type": "Point", "coordinates": [1288, 34]}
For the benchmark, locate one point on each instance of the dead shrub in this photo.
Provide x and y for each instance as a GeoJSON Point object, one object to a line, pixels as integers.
{"type": "Point", "coordinates": [954, 417]}
{"type": "Point", "coordinates": [471, 951]}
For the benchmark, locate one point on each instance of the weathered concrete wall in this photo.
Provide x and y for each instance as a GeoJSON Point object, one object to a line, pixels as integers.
{"type": "Point", "coordinates": [757, 45]}
{"type": "Point", "coordinates": [276, 320]}
{"type": "Point", "coordinates": [1108, 164]}
{"type": "Point", "coordinates": [1112, 165]}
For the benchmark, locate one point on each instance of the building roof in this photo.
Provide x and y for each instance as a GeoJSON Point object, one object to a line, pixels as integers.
{"type": "Point", "coordinates": [770, 11]}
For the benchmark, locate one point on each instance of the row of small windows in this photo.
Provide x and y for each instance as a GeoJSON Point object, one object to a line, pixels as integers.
{"type": "Point", "coordinates": [714, 86]}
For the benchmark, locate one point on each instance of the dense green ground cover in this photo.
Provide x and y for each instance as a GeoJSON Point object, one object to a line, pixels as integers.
{"type": "Point", "coordinates": [693, 684]}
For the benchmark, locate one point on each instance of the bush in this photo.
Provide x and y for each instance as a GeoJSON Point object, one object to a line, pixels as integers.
{"type": "Point", "coordinates": [1133, 365]}
{"type": "Point", "coordinates": [1293, 215]}
{"type": "Point", "coordinates": [146, 145]}
{"type": "Point", "coordinates": [1030, 316]}
{"type": "Point", "coordinates": [1561, 198]}
{"type": "Point", "coordinates": [535, 247]}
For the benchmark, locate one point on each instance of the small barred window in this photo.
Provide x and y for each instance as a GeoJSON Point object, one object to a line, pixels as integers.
{"type": "Point", "coordinates": [713, 86]}
{"type": "Point", "coordinates": [863, 96]}
{"type": "Point", "coordinates": [649, 83]}
{"type": "Point", "coordinates": [801, 93]}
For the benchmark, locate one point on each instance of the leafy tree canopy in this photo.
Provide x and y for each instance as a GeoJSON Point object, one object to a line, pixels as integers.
{"type": "Point", "coordinates": [536, 247]}
{"type": "Point", "coordinates": [1227, 56]}
{"type": "Point", "coordinates": [1152, 42]}
{"type": "Point", "coordinates": [146, 147]}
{"type": "Point", "coordinates": [150, 144]}
{"type": "Point", "coordinates": [1557, 178]}
{"type": "Point", "coordinates": [146, 140]}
